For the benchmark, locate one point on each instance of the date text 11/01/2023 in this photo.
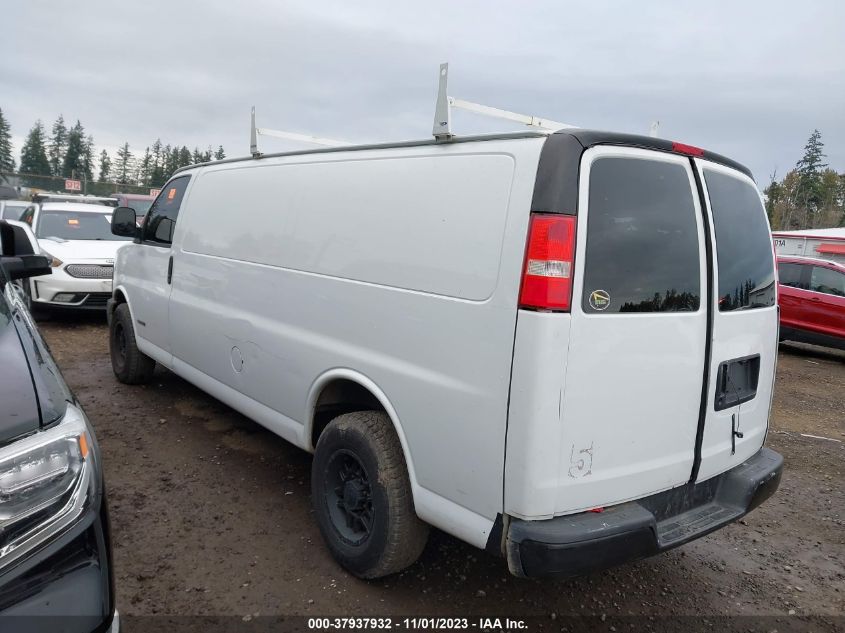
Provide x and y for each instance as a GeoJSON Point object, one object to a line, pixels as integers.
{"type": "Point", "coordinates": [417, 623]}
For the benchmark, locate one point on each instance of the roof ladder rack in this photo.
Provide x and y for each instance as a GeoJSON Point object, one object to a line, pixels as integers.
{"type": "Point", "coordinates": [255, 132]}
{"type": "Point", "coordinates": [443, 112]}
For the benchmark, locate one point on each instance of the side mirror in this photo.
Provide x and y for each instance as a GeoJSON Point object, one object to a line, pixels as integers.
{"type": "Point", "coordinates": [16, 238]}
{"type": "Point", "coordinates": [24, 266]}
{"type": "Point", "coordinates": [123, 222]}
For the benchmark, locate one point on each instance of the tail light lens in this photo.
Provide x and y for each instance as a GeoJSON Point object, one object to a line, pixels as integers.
{"type": "Point", "coordinates": [549, 259]}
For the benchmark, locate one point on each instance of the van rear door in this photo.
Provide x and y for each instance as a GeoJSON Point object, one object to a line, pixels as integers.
{"type": "Point", "coordinates": [745, 322]}
{"type": "Point", "coordinates": [636, 359]}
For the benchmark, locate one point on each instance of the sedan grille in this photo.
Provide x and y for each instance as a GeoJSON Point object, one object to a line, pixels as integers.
{"type": "Point", "coordinates": [90, 271]}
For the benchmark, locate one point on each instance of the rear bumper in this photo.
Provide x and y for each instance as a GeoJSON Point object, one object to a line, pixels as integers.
{"type": "Point", "coordinates": [573, 545]}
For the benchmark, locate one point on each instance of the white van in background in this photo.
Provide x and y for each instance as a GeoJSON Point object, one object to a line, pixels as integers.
{"type": "Point", "coordinates": [557, 347]}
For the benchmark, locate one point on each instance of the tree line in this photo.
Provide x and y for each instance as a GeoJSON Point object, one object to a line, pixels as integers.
{"type": "Point", "coordinates": [69, 152]}
{"type": "Point", "coordinates": [810, 196]}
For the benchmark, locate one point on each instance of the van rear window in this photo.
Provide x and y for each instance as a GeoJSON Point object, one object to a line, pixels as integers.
{"type": "Point", "coordinates": [743, 244]}
{"type": "Point", "coordinates": [642, 239]}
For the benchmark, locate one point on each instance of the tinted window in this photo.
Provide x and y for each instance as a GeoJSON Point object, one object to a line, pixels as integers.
{"type": "Point", "coordinates": [827, 281]}
{"type": "Point", "coordinates": [68, 225]}
{"type": "Point", "coordinates": [790, 275]}
{"type": "Point", "coordinates": [161, 218]}
{"type": "Point", "coordinates": [743, 244]}
{"type": "Point", "coordinates": [642, 240]}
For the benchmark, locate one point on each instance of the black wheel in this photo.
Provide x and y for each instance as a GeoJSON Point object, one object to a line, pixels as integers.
{"type": "Point", "coordinates": [362, 496]}
{"type": "Point", "coordinates": [130, 365]}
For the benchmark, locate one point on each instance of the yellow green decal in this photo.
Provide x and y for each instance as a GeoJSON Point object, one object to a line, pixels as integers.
{"type": "Point", "coordinates": [599, 300]}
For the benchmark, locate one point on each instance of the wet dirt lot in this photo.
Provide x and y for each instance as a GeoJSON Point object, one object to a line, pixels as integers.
{"type": "Point", "coordinates": [211, 515]}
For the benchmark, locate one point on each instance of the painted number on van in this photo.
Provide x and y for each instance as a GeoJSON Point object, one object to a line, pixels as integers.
{"type": "Point", "coordinates": [779, 242]}
{"type": "Point", "coordinates": [581, 462]}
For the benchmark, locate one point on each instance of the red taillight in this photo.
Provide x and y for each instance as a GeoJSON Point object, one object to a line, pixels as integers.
{"type": "Point", "coordinates": [547, 275]}
{"type": "Point", "coordinates": [689, 150]}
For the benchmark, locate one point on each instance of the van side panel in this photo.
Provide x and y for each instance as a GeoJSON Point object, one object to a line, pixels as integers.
{"type": "Point", "coordinates": [428, 223]}
{"type": "Point", "coordinates": [535, 417]}
{"type": "Point", "coordinates": [393, 264]}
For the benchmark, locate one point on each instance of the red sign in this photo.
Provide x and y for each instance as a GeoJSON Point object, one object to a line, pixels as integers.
{"type": "Point", "coordinates": [155, 192]}
{"type": "Point", "coordinates": [73, 185]}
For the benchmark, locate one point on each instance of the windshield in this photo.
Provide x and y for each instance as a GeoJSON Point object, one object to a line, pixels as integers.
{"type": "Point", "coordinates": [68, 225]}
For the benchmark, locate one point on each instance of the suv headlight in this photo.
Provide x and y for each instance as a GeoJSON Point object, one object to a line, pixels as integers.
{"type": "Point", "coordinates": [55, 262]}
{"type": "Point", "coordinates": [47, 481]}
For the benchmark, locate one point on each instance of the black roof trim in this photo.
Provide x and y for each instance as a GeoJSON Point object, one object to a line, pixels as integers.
{"type": "Point", "coordinates": [358, 148]}
{"type": "Point", "coordinates": [556, 185]}
{"type": "Point", "coordinates": [589, 138]}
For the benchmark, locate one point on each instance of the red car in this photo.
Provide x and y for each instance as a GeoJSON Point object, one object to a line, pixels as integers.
{"type": "Point", "coordinates": [811, 294]}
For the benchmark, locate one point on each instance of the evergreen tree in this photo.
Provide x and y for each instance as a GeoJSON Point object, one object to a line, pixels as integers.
{"type": "Point", "coordinates": [74, 161]}
{"type": "Point", "coordinates": [207, 156]}
{"type": "Point", "coordinates": [157, 166]}
{"type": "Point", "coordinates": [197, 156]}
{"type": "Point", "coordinates": [219, 154]}
{"type": "Point", "coordinates": [58, 143]}
{"type": "Point", "coordinates": [810, 169]}
{"type": "Point", "coordinates": [105, 166]}
{"type": "Point", "coordinates": [184, 157]}
{"type": "Point", "coordinates": [169, 163]}
{"type": "Point", "coordinates": [34, 156]}
{"type": "Point", "coordinates": [145, 169]}
{"type": "Point", "coordinates": [124, 164]}
{"type": "Point", "coordinates": [88, 158]}
{"type": "Point", "coordinates": [174, 160]}
{"type": "Point", "coordinates": [7, 163]}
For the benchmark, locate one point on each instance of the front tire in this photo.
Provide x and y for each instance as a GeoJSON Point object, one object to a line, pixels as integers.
{"type": "Point", "coordinates": [362, 498]}
{"type": "Point", "coordinates": [130, 365]}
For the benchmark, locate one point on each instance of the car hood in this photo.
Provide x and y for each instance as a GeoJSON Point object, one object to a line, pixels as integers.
{"type": "Point", "coordinates": [19, 413]}
{"type": "Point", "coordinates": [69, 250]}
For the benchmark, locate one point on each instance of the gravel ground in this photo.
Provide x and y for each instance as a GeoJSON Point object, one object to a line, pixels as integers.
{"type": "Point", "coordinates": [211, 516]}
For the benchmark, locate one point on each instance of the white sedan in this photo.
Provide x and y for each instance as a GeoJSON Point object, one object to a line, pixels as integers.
{"type": "Point", "coordinates": [78, 239]}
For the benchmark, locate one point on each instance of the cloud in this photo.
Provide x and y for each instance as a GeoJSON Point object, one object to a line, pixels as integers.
{"type": "Point", "coordinates": [750, 80]}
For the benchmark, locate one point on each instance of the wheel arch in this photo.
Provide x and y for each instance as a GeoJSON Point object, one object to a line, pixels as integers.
{"type": "Point", "coordinates": [119, 295]}
{"type": "Point", "coordinates": [326, 396]}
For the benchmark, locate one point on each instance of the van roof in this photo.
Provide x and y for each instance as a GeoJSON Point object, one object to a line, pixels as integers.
{"type": "Point", "coordinates": [821, 234]}
{"type": "Point", "coordinates": [585, 138]}
{"type": "Point", "coordinates": [76, 207]}
{"type": "Point", "coordinates": [803, 259]}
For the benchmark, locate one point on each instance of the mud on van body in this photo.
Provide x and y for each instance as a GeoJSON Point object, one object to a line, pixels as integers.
{"type": "Point", "coordinates": [560, 348]}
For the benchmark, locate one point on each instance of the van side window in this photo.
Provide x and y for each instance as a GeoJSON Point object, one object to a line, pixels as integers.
{"type": "Point", "coordinates": [642, 239]}
{"type": "Point", "coordinates": [743, 243]}
{"type": "Point", "coordinates": [791, 275]}
{"type": "Point", "coordinates": [161, 218]}
{"type": "Point", "coordinates": [828, 281]}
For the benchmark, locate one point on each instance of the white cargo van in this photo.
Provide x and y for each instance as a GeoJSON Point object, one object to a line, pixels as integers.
{"type": "Point", "coordinates": [558, 347]}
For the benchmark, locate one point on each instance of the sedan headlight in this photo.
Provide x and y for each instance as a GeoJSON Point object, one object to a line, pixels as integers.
{"type": "Point", "coordinates": [46, 483]}
{"type": "Point", "coordinates": [55, 262]}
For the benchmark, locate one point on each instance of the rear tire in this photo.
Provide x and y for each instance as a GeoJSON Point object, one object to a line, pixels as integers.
{"type": "Point", "coordinates": [130, 365]}
{"type": "Point", "coordinates": [362, 498]}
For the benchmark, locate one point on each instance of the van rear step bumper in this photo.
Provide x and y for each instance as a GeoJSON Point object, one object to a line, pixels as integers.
{"type": "Point", "coordinates": [576, 544]}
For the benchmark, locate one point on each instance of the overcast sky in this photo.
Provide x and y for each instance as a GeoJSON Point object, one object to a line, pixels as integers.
{"type": "Point", "coordinates": [750, 80]}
